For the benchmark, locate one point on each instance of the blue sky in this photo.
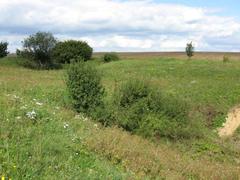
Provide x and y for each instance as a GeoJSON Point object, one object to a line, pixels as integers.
{"type": "Point", "coordinates": [228, 7]}
{"type": "Point", "coordinates": [126, 25]}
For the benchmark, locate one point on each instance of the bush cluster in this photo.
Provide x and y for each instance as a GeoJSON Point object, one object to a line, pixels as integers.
{"type": "Point", "coordinates": [37, 49]}
{"type": "Point", "coordinates": [136, 106]}
{"type": "Point", "coordinates": [142, 109]}
{"type": "Point", "coordinates": [65, 51]}
{"type": "Point", "coordinates": [43, 51]}
{"type": "Point", "coordinates": [3, 49]}
{"type": "Point", "coordinates": [112, 56]}
{"type": "Point", "coordinates": [147, 111]}
{"type": "Point", "coordinates": [84, 87]}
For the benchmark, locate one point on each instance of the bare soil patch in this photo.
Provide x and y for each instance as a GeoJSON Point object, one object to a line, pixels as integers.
{"type": "Point", "coordinates": [231, 124]}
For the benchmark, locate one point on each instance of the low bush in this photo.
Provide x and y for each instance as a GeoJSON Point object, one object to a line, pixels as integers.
{"type": "Point", "coordinates": [84, 87]}
{"type": "Point", "coordinates": [142, 109]}
{"type": "Point", "coordinates": [27, 63]}
{"type": "Point", "coordinates": [3, 49]}
{"type": "Point", "coordinates": [131, 92]}
{"type": "Point", "coordinates": [65, 51]}
{"type": "Point", "coordinates": [226, 59]}
{"type": "Point", "coordinates": [108, 57]}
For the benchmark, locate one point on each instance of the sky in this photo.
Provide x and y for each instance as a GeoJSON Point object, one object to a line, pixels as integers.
{"type": "Point", "coordinates": [126, 25]}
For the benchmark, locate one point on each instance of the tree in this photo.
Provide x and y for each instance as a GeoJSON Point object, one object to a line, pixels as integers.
{"type": "Point", "coordinates": [3, 49]}
{"type": "Point", "coordinates": [65, 51]}
{"type": "Point", "coordinates": [190, 50]}
{"type": "Point", "coordinates": [38, 48]}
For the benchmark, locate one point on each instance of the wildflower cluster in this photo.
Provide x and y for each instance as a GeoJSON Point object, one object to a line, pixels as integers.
{"type": "Point", "coordinates": [66, 125]}
{"type": "Point", "coordinates": [31, 115]}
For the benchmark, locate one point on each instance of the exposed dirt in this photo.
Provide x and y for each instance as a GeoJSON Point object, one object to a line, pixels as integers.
{"type": "Point", "coordinates": [231, 124]}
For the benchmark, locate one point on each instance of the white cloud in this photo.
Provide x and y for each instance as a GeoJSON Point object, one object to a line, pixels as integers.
{"type": "Point", "coordinates": [117, 25]}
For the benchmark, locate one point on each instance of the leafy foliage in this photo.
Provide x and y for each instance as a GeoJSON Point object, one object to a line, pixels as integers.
{"type": "Point", "coordinates": [112, 56]}
{"type": "Point", "coordinates": [64, 52]}
{"type": "Point", "coordinates": [190, 50]}
{"type": "Point", "coordinates": [84, 87]}
{"type": "Point", "coordinates": [226, 59]}
{"type": "Point", "coordinates": [141, 108]}
{"type": "Point", "coordinates": [37, 49]}
{"type": "Point", "coordinates": [3, 49]}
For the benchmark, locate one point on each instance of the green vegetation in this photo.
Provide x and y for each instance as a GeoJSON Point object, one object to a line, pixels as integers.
{"type": "Point", "coordinates": [65, 51]}
{"type": "Point", "coordinates": [41, 136]}
{"type": "Point", "coordinates": [112, 56]}
{"type": "Point", "coordinates": [226, 59]}
{"type": "Point", "coordinates": [3, 49]}
{"type": "Point", "coordinates": [37, 49]}
{"type": "Point", "coordinates": [84, 87]}
{"type": "Point", "coordinates": [139, 108]}
{"type": "Point", "coordinates": [190, 50]}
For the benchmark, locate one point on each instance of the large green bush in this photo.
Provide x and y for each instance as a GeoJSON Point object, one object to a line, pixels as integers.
{"type": "Point", "coordinates": [3, 49]}
{"type": "Point", "coordinates": [84, 87]}
{"type": "Point", "coordinates": [112, 56]}
{"type": "Point", "coordinates": [65, 51]}
{"type": "Point", "coordinates": [138, 107]}
{"type": "Point", "coordinates": [37, 49]}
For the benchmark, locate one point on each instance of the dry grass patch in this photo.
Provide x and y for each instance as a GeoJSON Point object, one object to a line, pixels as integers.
{"type": "Point", "coordinates": [146, 158]}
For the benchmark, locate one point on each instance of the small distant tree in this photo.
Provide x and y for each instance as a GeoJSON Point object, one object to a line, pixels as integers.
{"type": "Point", "coordinates": [112, 56]}
{"type": "Point", "coordinates": [3, 49]}
{"type": "Point", "coordinates": [38, 48]}
{"type": "Point", "coordinates": [190, 50]}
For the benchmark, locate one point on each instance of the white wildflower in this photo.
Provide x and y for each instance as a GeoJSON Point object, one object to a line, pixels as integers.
{"type": "Point", "coordinates": [66, 125]}
{"type": "Point", "coordinates": [39, 104]}
{"type": "Point", "coordinates": [18, 117]}
{"type": "Point", "coordinates": [32, 114]}
{"type": "Point", "coordinates": [95, 125]}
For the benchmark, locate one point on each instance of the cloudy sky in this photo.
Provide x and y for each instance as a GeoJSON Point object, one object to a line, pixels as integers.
{"type": "Point", "coordinates": [126, 25]}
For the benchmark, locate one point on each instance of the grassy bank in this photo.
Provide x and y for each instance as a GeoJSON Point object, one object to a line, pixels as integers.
{"type": "Point", "coordinates": [59, 143]}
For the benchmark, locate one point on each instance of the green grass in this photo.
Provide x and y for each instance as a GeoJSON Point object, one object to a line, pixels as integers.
{"type": "Point", "coordinates": [43, 149]}
{"type": "Point", "coordinates": [207, 85]}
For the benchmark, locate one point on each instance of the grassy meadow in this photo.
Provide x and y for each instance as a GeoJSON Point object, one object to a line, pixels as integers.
{"type": "Point", "coordinates": [42, 137]}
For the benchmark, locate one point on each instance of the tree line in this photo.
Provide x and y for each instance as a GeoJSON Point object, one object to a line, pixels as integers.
{"type": "Point", "coordinates": [44, 51]}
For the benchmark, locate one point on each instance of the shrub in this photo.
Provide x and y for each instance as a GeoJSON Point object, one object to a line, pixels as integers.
{"type": "Point", "coordinates": [3, 49]}
{"type": "Point", "coordinates": [132, 91]}
{"type": "Point", "coordinates": [84, 87]}
{"type": "Point", "coordinates": [64, 52]}
{"type": "Point", "coordinates": [108, 57]}
{"type": "Point", "coordinates": [190, 50]}
{"type": "Point", "coordinates": [144, 110]}
{"type": "Point", "coordinates": [37, 49]}
{"type": "Point", "coordinates": [226, 59]}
